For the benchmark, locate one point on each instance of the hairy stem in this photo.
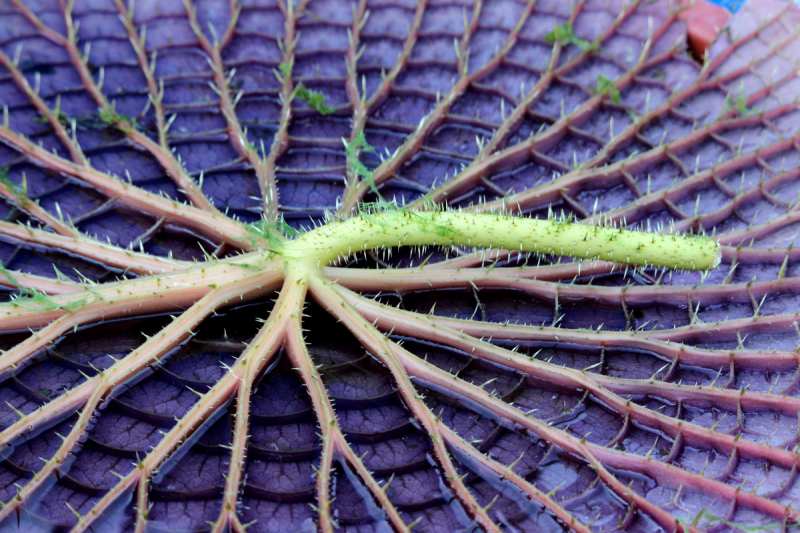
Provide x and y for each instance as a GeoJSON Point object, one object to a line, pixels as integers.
{"type": "Point", "coordinates": [162, 154]}
{"type": "Point", "coordinates": [263, 168]}
{"type": "Point", "coordinates": [377, 344]}
{"type": "Point", "coordinates": [30, 207]}
{"type": "Point", "coordinates": [247, 368]}
{"type": "Point", "coordinates": [606, 390]}
{"type": "Point", "coordinates": [21, 280]}
{"type": "Point", "coordinates": [408, 228]}
{"type": "Point", "coordinates": [280, 143]}
{"type": "Point", "coordinates": [662, 343]}
{"type": "Point", "coordinates": [258, 354]}
{"type": "Point", "coordinates": [331, 431]}
{"type": "Point", "coordinates": [107, 254]}
{"type": "Point", "coordinates": [410, 367]}
{"type": "Point", "coordinates": [545, 140]}
{"type": "Point", "coordinates": [75, 151]}
{"type": "Point", "coordinates": [165, 292]}
{"type": "Point", "coordinates": [104, 382]}
{"type": "Point", "coordinates": [588, 173]}
{"type": "Point", "coordinates": [528, 280]}
{"type": "Point", "coordinates": [214, 225]}
{"type": "Point", "coordinates": [411, 146]}
{"type": "Point", "coordinates": [599, 457]}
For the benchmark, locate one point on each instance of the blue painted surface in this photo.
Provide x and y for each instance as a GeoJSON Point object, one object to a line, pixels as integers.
{"type": "Point", "coordinates": [733, 5]}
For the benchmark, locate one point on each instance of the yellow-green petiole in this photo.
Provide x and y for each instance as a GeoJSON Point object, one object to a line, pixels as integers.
{"type": "Point", "coordinates": [402, 227]}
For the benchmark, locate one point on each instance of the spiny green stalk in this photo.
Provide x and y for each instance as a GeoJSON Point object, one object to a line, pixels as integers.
{"type": "Point", "coordinates": [391, 227]}
{"type": "Point", "coordinates": [402, 227]}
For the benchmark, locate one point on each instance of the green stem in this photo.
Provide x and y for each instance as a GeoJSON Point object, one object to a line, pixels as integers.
{"type": "Point", "coordinates": [413, 228]}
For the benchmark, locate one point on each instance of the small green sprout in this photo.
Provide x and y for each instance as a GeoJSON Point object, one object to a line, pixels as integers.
{"type": "Point", "coordinates": [33, 297]}
{"type": "Point", "coordinates": [92, 121]}
{"type": "Point", "coordinates": [60, 276]}
{"type": "Point", "coordinates": [110, 117]}
{"type": "Point", "coordinates": [563, 35]}
{"type": "Point", "coordinates": [8, 275]}
{"type": "Point", "coordinates": [739, 103]}
{"type": "Point", "coordinates": [20, 192]}
{"type": "Point", "coordinates": [265, 229]}
{"type": "Point", "coordinates": [62, 118]}
{"type": "Point", "coordinates": [313, 99]}
{"type": "Point", "coordinates": [4, 178]}
{"type": "Point", "coordinates": [606, 86]}
{"type": "Point", "coordinates": [352, 151]}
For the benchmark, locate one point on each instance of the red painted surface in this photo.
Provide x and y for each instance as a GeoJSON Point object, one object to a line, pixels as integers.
{"type": "Point", "coordinates": [703, 21]}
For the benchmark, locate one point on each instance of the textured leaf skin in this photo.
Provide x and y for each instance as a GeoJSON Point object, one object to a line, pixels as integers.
{"type": "Point", "coordinates": [634, 400]}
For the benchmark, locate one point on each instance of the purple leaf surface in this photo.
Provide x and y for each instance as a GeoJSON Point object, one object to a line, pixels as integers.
{"type": "Point", "coordinates": [153, 380]}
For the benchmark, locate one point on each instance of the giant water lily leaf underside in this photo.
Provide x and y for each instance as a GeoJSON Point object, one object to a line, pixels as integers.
{"type": "Point", "coordinates": [156, 377]}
